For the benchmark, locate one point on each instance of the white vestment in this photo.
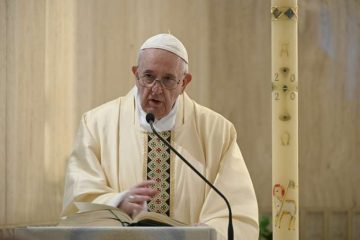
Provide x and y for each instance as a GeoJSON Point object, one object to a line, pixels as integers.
{"type": "Point", "coordinates": [108, 159]}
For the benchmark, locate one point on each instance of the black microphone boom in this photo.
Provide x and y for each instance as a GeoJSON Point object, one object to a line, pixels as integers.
{"type": "Point", "coordinates": [150, 118]}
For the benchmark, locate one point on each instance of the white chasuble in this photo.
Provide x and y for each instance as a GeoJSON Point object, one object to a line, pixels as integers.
{"type": "Point", "coordinates": [109, 157]}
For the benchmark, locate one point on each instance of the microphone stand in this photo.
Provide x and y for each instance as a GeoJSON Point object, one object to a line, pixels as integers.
{"type": "Point", "coordinates": [230, 225]}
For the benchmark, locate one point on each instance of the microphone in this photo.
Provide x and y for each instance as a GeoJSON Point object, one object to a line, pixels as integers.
{"type": "Point", "coordinates": [150, 118]}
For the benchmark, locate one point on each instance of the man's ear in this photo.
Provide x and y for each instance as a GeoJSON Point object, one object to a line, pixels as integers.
{"type": "Point", "coordinates": [186, 81]}
{"type": "Point", "coordinates": [135, 72]}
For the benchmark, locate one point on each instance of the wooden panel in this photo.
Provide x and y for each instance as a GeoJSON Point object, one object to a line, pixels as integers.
{"type": "Point", "coordinates": [355, 225]}
{"type": "Point", "coordinates": [329, 93]}
{"type": "Point", "coordinates": [109, 34]}
{"type": "Point", "coordinates": [329, 106]}
{"type": "Point", "coordinates": [25, 111]}
{"type": "Point", "coordinates": [240, 84]}
{"type": "Point", "coordinates": [2, 111]}
{"type": "Point", "coordinates": [60, 124]}
{"type": "Point", "coordinates": [40, 108]}
{"type": "Point", "coordinates": [339, 226]}
{"type": "Point", "coordinates": [314, 226]}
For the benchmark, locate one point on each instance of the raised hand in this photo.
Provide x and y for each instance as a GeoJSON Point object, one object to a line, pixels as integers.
{"type": "Point", "coordinates": [135, 199]}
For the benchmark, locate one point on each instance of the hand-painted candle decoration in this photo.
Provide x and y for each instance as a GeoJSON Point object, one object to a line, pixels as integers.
{"type": "Point", "coordinates": [284, 70]}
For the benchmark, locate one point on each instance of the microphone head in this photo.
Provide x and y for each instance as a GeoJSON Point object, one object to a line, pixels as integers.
{"type": "Point", "coordinates": [150, 118]}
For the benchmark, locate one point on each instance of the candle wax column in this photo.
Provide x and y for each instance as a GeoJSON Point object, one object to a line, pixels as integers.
{"type": "Point", "coordinates": [284, 78]}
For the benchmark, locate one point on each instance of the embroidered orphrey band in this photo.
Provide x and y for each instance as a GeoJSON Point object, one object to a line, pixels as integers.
{"type": "Point", "coordinates": [158, 169]}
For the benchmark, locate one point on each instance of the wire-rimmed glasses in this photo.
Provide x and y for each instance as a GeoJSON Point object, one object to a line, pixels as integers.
{"type": "Point", "coordinates": [148, 80]}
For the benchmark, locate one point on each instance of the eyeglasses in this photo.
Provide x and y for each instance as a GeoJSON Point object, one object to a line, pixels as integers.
{"type": "Point", "coordinates": [148, 80]}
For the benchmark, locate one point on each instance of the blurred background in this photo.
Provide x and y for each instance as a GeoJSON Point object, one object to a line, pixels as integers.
{"type": "Point", "coordinates": [60, 58]}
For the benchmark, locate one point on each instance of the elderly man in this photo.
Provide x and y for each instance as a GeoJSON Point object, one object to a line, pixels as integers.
{"type": "Point", "coordinates": [118, 161]}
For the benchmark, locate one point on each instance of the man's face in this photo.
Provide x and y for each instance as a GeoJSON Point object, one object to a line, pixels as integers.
{"type": "Point", "coordinates": [160, 64]}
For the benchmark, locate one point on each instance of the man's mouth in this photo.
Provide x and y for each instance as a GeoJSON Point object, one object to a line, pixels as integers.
{"type": "Point", "coordinates": [154, 102]}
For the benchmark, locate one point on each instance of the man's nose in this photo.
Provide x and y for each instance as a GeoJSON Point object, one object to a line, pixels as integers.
{"type": "Point", "coordinates": [157, 87]}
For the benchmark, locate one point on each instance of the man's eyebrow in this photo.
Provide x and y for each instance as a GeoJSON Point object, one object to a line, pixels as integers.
{"type": "Point", "coordinates": [148, 71]}
{"type": "Point", "coordinates": [165, 75]}
{"type": "Point", "coordinates": [169, 75]}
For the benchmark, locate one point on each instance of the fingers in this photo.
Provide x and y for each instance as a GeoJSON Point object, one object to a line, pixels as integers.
{"type": "Point", "coordinates": [149, 192]}
{"type": "Point", "coordinates": [136, 197]}
{"type": "Point", "coordinates": [140, 199]}
{"type": "Point", "coordinates": [132, 203]}
{"type": "Point", "coordinates": [147, 183]}
{"type": "Point", "coordinates": [144, 188]}
{"type": "Point", "coordinates": [133, 209]}
{"type": "Point", "coordinates": [136, 206]}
